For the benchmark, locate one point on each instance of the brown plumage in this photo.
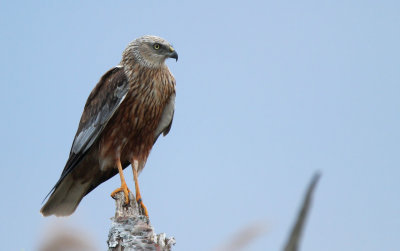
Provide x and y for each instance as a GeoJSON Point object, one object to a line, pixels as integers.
{"type": "Point", "coordinates": [132, 104]}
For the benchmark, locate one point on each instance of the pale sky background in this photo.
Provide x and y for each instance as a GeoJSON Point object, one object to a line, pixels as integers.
{"type": "Point", "coordinates": [267, 93]}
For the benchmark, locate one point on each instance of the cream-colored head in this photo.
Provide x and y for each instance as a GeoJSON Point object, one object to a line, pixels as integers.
{"type": "Point", "coordinates": [149, 51]}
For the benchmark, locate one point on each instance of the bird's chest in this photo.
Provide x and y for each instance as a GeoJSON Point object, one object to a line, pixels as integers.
{"type": "Point", "coordinates": [144, 110]}
{"type": "Point", "coordinates": [135, 123]}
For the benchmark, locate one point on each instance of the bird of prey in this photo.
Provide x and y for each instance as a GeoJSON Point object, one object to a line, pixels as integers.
{"type": "Point", "coordinates": [129, 108]}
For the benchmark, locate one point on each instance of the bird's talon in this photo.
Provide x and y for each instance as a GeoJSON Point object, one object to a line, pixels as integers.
{"type": "Point", "coordinates": [126, 191]}
{"type": "Point", "coordinates": [141, 204]}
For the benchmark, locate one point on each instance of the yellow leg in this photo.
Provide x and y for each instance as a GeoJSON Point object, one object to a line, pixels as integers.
{"type": "Point", "coordinates": [135, 166]}
{"type": "Point", "coordinates": [123, 187]}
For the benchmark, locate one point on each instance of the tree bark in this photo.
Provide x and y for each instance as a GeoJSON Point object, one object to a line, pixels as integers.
{"type": "Point", "coordinates": [131, 230]}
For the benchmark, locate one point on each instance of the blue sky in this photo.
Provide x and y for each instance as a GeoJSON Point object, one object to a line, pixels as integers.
{"type": "Point", "coordinates": [267, 93]}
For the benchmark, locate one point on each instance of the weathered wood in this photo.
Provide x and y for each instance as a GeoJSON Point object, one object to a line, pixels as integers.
{"type": "Point", "coordinates": [131, 230]}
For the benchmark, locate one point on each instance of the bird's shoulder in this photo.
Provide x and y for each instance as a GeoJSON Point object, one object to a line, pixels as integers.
{"type": "Point", "coordinates": [103, 92]}
{"type": "Point", "coordinates": [101, 104]}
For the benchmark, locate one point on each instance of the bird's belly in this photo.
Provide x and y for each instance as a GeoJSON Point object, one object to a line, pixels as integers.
{"type": "Point", "coordinates": [128, 136]}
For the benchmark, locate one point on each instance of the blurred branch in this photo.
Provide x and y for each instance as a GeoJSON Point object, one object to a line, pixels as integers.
{"type": "Point", "coordinates": [130, 230]}
{"type": "Point", "coordinates": [244, 237]}
{"type": "Point", "coordinates": [63, 237]}
{"type": "Point", "coordinates": [295, 235]}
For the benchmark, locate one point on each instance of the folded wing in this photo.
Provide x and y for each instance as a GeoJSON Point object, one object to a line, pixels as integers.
{"type": "Point", "coordinates": [102, 103]}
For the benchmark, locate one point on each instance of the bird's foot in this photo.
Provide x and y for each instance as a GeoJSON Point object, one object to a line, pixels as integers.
{"type": "Point", "coordinates": [143, 207]}
{"type": "Point", "coordinates": [126, 191]}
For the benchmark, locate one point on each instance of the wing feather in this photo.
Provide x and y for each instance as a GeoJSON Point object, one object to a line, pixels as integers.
{"type": "Point", "coordinates": [166, 118]}
{"type": "Point", "coordinates": [100, 106]}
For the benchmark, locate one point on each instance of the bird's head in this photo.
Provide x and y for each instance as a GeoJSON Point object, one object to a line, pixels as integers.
{"type": "Point", "coordinates": [150, 51]}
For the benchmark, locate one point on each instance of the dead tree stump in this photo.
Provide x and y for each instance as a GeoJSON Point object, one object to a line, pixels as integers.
{"type": "Point", "coordinates": [130, 230]}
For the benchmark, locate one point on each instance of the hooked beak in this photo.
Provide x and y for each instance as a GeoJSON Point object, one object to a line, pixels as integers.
{"type": "Point", "coordinates": [173, 53]}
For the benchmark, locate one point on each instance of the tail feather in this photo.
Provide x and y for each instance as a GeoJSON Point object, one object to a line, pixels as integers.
{"type": "Point", "coordinates": [65, 198]}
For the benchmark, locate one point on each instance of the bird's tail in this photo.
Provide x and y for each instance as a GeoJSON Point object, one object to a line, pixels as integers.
{"type": "Point", "coordinates": [65, 198]}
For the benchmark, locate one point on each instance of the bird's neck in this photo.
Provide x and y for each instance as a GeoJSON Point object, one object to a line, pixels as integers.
{"type": "Point", "coordinates": [132, 69]}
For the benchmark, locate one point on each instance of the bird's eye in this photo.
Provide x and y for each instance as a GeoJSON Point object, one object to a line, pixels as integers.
{"type": "Point", "coordinates": [156, 46]}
